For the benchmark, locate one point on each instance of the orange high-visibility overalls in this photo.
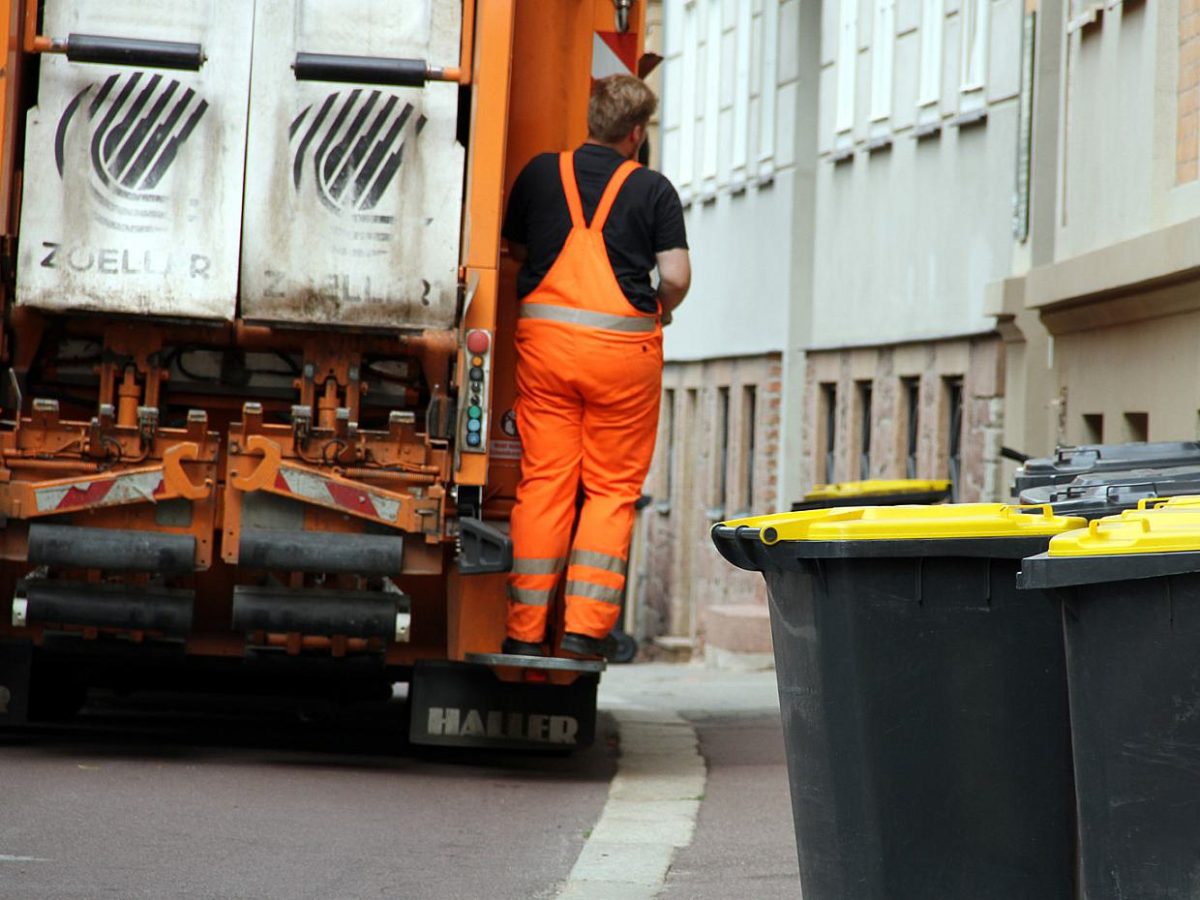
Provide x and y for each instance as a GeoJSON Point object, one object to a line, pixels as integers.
{"type": "Point", "coordinates": [589, 376]}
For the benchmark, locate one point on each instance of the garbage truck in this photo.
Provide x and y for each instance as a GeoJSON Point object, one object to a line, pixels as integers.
{"type": "Point", "coordinates": [256, 395]}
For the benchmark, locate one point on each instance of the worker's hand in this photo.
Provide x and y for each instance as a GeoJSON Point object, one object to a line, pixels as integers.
{"type": "Point", "coordinates": [666, 318]}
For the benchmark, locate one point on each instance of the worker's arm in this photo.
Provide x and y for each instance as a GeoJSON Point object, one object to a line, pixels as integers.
{"type": "Point", "coordinates": [674, 279]}
{"type": "Point", "coordinates": [519, 252]}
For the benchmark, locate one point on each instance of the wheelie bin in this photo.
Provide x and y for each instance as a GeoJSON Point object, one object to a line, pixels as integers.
{"type": "Point", "coordinates": [1108, 494]}
{"type": "Point", "coordinates": [1092, 459]}
{"type": "Point", "coordinates": [1131, 610]}
{"type": "Point", "coordinates": [877, 492]}
{"type": "Point", "coordinates": [923, 698]}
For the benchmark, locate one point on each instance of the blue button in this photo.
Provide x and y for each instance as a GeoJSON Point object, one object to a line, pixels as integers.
{"type": "Point", "coordinates": [473, 439]}
{"type": "Point", "coordinates": [473, 425]}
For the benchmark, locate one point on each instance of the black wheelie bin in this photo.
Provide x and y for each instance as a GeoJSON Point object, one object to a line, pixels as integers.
{"type": "Point", "coordinates": [877, 492]}
{"type": "Point", "coordinates": [1097, 496]}
{"type": "Point", "coordinates": [1131, 612]}
{"type": "Point", "coordinates": [1093, 459]}
{"type": "Point", "coordinates": [923, 697]}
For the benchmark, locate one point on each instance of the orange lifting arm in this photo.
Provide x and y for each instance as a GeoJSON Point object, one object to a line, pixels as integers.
{"type": "Point", "coordinates": [309, 484]}
{"type": "Point", "coordinates": [146, 484]}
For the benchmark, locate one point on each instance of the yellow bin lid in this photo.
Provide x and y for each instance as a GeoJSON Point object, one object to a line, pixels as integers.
{"type": "Point", "coordinates": [1182, 502]}
{"type": "Point", "coordinates": [1168, 528]}
{"type": "Point", "coordinates": [849, 489]}
{"type": "Point", "coordinates": [898, 523]}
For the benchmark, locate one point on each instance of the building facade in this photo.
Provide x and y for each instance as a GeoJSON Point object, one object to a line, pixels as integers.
{"type": "Point", "coordinates": [1117, 281]}
{"type": "Point", "coordinates": [920, 129]}
{"type": "Point", "coordinates": [972, 225]}
{"type": "Point", "coordinates": [738, 138]}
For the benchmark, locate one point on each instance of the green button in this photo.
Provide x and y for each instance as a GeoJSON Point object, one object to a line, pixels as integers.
{"type": "Point", "coordinates": [474, 412]}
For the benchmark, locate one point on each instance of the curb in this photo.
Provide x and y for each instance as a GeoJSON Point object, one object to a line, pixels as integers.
{"type": "Point", "coordinates": [651, 810]}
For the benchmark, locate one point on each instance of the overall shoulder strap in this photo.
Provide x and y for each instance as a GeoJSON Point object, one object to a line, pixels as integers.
{"type": "Point", "coordinates": [566, 169]}
{"type": "Point", "coordinates": [610, 193]}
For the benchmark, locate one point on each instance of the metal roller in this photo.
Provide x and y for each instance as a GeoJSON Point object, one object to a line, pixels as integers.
{"type": "Point", "coordinates": [103, 606]}
{"type": "Point", "coordinates": [116, 51]}
{"type": "Point", "coordinates": [111, 549]}
{"type": "Point", "coordinates": [321, 612]}
{"type": "Point", "coordinates": [361, 69]}
{"type": "Point", "coordinates": [309, 551]}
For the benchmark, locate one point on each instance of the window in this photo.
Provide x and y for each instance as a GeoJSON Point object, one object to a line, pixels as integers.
{"type": "Point", "coordinates": [741, 94]}
{"type": "Point", "coordinates": [847, 60]}
{"type": "Point", "coordinates": [749, 424]}
{"type": "Point", "coordinates": [974, 53]}
{"type": "Point", "coordinates": [954, 415]}
{"type": "Point", "coordinates": [669, 462]}
{"type": "Point", "coordinates": [1137, 426]}
{"type": "Point", "coordinates": [864, 429]}
{"type": "Point", "coordinates": [883, 40]}
{"type": "Point", "coordinates": [912, 421]}
{"type": "Point", "coordinates": [929, 87]}
{"type": "Point", "coordinates": [1093, 428]}
{"type": "Point", "coordinates": [687, 116]}
{"type": "Point", "coordinates": [770, 85]}
{"type": "Point", "coordinates": [712, 97]}
{"type": "Point", "coordinates": [829, 429]}
{"type": "Point", "coordinates": [723, 455]}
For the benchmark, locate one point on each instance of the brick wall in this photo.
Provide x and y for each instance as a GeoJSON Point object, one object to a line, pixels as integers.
{"type": "Point", "coordinates": [682, 574]}
{"type": "Point", "coordinates": [1187, 134]}
{"type": "Point", "coordinates": [978, 362]}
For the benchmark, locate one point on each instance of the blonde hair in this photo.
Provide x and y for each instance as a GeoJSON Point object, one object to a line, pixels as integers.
{"type": "Point", "coordinates": [617, 104]}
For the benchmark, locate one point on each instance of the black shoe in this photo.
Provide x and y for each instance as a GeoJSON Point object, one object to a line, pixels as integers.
{"type": "Point", "coordinates": [513, 647]}
{"type": "Point", "coordinates": [582, 645]}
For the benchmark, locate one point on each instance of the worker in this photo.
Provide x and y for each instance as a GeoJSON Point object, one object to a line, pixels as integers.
{"type": "Point", "coordinates": [589, 227]}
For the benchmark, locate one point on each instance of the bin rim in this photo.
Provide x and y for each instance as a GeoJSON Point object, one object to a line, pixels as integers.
{"type": "Point", "coordinates": [876, 487]}
{"type": "Point", "coordinates": [762, 543]}
{"type": "Point", "coordinates": [953, 521]}
{"type": "Point", "coordinates": [1043, 571]}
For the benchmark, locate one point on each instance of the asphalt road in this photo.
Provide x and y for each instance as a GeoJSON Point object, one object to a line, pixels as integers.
{"type": "Point", "coordinates": [196, 797]}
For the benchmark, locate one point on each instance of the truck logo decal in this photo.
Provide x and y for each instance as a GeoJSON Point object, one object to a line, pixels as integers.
{"type": "Point", "coordinates": [453, 722]}
{"type": "Point", "coordinates": [354, 143]}
{"type": "Point", "coordinates": [139, 124]}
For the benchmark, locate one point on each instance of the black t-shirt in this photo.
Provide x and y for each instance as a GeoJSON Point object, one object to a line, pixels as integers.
{"type": "Point", "coordinates": [646, 219]}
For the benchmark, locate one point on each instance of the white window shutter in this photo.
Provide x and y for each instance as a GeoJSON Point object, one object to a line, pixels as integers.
{"type": "Point", "coordinates": [847, 60]}
{"type": "Point", "coordinates": [883, 42]}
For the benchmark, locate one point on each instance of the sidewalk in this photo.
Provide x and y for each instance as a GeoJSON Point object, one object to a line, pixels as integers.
{"type": "Point", "coordinates": [699, 807]}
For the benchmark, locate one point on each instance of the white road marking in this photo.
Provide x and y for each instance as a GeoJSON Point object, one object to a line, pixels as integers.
{"type": "Point", "coordinates": [651, 809]}
{"type": "Point", "coordinates": [4, 858]}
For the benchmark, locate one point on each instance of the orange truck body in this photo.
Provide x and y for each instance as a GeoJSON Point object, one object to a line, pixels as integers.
{"type": "Point", "coordinates": [296, 440]}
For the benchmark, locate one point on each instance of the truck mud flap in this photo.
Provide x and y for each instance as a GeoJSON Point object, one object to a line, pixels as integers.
{"type": "Point", "coordinates": [15, 665]}
{"type": "Point", "coordinates": [465, 705]}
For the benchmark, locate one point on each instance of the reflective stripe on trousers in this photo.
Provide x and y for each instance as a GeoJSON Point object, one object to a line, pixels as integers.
{"type": "Point", "coordinates": [588, 319]}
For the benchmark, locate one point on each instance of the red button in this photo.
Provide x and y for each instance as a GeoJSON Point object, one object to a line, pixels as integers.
{"type": "Point", "coordinates": [478, 342]}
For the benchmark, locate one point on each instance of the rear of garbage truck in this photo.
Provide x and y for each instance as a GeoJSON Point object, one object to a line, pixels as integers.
{"type": "Point", "coordinates": [257, 383]}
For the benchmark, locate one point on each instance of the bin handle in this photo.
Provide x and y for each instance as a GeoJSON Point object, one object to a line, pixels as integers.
{"type": "Point", "coordinates": [1047, 509]}
{"type": "Point", "coordinates": [1158, 503]}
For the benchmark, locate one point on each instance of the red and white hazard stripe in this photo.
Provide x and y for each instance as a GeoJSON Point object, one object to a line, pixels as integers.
{"type": "Point", "coordinates": [354, 499]}
{"type": "Point", "coordinates": [141, 487]}
{"type": "Point", "coordinates": [614, 53]}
